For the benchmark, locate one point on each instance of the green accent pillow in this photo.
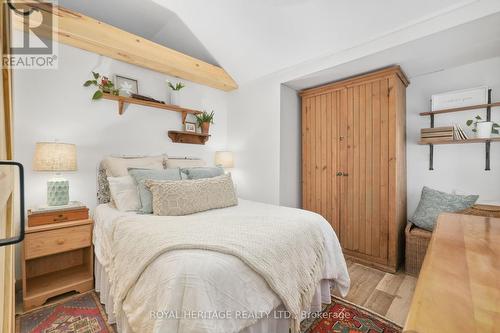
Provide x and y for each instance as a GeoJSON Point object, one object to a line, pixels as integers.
{"type": "Point", "coordinates": [141, 175]}
{"type": "Point", "coordinates": [202, 172]}
{"type": "Point", "coordinates": [433, 202]}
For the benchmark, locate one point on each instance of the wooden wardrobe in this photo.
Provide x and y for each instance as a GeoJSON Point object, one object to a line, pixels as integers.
{"type": "Point", "coordinates": [354, 163]}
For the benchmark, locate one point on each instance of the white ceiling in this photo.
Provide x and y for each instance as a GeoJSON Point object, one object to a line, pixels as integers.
{"type": "Point", "coordinates": [147, 19]}
{"type": "Point", "coordinates": [471, 42]}
{"type": "Point", "coordinates": [254, 38]}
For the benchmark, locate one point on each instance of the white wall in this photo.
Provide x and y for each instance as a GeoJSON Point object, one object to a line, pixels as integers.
{"type": "Point", "coordinates": [254, 131]}
{"type": "Point", "coordinates": [457, 168]}
{"type": "Point", "coordinates": [53, 104]}
{"type": "Point", "coordinates": [290, 148]}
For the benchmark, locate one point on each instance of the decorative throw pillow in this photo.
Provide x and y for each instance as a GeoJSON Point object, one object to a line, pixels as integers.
{"type": "Point", "coordinates": [433, 202]}
{"type": "Point", "coordinates": [124, 193]}
{"type": "Point", "coordinates": [191, 196]}
{"type": "Point", "coordinates": [202, 172]}
{"type": "Point", "coordinates": [184, 163]}
{"type": "Point", "coordinates": [141, 175]}
{"type": "Point", "coordinates": [118, 166]}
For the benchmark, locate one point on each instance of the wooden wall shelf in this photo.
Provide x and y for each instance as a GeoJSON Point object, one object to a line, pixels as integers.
{"type": "Point", "coordinates": [487, 142]}
{"type": "Point", "coordinates": [465, 108]}
{"type": "Point", "coordinates": [123, 101]}
{"type": "Point", "coordinates": [188, 137]}
{"type": "Point", "coordinates": [454, 142]}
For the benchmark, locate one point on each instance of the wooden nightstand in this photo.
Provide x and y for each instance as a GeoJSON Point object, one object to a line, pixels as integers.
{"type": "Point", "coordinates": [57, 258]}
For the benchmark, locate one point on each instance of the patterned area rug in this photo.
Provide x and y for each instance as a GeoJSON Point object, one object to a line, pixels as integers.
{"type": "Point", "coordinates": [84, 314]}
{"type": "Point", "coordinates": [344, 317]}
{"type": "Point", "coordinates": [79, 314]}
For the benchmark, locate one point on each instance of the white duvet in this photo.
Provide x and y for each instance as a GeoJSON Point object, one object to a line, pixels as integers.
{"type": "Point", "coordinates": [213, 283]}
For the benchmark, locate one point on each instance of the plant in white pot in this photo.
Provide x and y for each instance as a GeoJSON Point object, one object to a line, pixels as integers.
{"type": "Point", "coordinates": [174, 93]}
{"type": "Point", "coordinates": [483, 128]}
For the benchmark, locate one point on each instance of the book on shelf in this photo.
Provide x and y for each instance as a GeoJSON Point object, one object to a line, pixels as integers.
{"type": "Point", "coordinates": [460, 133]}
{"type": "Point", "coordinates": [437, 134]}
{"type": "Point", "coordinates": [435, 140]}
{"type": "Point", "coordinates": [437, 129]}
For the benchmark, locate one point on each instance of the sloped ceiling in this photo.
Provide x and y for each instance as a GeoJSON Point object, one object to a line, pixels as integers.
{"type": "Point", "coordinates": [466, 43]}
{"type": "Point", "coordinates": [147, 19]}
{"type": "Point", "coordinates": [254, 38]}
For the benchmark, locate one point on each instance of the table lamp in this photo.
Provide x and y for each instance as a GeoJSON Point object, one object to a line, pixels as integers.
{"type": "Point", "coordinates": [55, 157]}
{"type": "Point", "coordinates": [224, 159]}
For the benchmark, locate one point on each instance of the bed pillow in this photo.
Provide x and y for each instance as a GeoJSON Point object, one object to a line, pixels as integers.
{"type": "Point", "coordinates": [184, 163]}
{"type": "Point", "coordinates": [202, 172]}
{"type": "Point", "coordinates": [124, 193]}
{"type": "Point", "coordinates": [118, 166]}
{"type": "Point", "coordinates": [433, 202]}
{"type": "Point", "coordinates": [192, 196]}
{"type": "Point", "coordinates": [141, 175]}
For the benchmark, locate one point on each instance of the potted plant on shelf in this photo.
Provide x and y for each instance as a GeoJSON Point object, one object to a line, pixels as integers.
{"type": "Point", "coordinates": [482, 128]}
{"type": "Point", "coordinates": [103, 84]}
{"type": "Point", "coordinates": [204, 120]}
{"type": "Point", "coordinates": [175, 91]}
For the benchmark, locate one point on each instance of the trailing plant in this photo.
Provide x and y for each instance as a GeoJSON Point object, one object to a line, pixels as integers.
{"type": "Point", "coordinates": [103, 84]}
{"type": "Point", "coordinates": [178, 86]}
{"type": "Point", "coordinates": [205, 117]}
{"type": "Point", "coordinates": [478, 119]}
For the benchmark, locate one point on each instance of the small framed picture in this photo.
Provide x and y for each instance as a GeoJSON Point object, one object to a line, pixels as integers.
{"type": "Point", "coordinates": [190, 127]}
{"type": "Point", "coordinates": [126, 86]}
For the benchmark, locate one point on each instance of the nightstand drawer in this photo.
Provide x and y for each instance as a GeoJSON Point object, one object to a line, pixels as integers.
{"type": "Point", "coordinates": [39, 244]}
{"type": "Point", "coordinates": [57, 217]}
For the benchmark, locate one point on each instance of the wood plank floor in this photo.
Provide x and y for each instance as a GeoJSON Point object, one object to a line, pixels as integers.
{"type": "Point", "coordinates": [386, 294]}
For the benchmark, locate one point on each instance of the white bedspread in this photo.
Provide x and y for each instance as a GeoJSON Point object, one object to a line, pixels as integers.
{"type": "Point", "coordinates": [206, 281]}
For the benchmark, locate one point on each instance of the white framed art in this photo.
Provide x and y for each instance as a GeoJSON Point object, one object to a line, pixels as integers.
{"type": "Point", "coordinates": [459, 98]}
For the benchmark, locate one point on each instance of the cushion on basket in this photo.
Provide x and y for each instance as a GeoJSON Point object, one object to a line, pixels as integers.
{"type": "Point", "coordinates": [433, 202]}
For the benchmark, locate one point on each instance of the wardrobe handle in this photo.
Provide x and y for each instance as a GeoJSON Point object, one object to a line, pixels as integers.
{"type": "Point", "coordinates": [345, 174]}
{"type": "Point", "coordinates": [339, 174]}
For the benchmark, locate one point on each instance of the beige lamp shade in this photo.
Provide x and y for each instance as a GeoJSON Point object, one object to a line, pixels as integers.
{"type": "Point", "coordinates": [54, 156]}
{"type": "Point", "coordinates": [224, 159]}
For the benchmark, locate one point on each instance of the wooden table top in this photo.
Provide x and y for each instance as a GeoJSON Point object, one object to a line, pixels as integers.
{"type": "Point", "coordinates": [458, 289]}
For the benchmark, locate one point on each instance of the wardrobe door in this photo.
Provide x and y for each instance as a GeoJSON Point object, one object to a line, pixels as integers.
{"type": "Point", "coordinates": [365, 164]}
{"type": "Point", "coordinates": [319, 155]}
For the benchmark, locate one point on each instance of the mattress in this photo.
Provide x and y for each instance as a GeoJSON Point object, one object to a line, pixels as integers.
{"type": "Point", "coordinates": [204, 280]}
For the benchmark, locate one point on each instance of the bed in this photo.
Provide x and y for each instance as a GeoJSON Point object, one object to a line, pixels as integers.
{"type": "Point", "coordinates": [197, 290]}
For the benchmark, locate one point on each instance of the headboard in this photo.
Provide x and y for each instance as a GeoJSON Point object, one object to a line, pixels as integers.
{"type": "Point", "coordinates": [103, 193]}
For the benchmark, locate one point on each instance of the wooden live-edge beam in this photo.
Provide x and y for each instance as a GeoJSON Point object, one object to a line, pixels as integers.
{"type": "Point", "coordinates": [86, 33]}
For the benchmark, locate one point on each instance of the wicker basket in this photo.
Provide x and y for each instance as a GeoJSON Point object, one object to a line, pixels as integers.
{"type": "Point", "coordinates": [417, 239]}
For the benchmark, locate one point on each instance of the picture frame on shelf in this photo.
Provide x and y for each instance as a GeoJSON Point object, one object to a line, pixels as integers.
{"type": "Point", "coordinates": [190, 127]}
{"type": "Point", "coordinates": [459, 98]}
{"type": "Point", "coordinates": [126, 86]}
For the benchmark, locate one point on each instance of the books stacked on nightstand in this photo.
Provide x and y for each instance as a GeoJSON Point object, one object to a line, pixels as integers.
{"type": "Point", "coordinates": [437, 134]}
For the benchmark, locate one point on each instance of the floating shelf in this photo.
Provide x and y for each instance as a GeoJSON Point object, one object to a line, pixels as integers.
{"type": "Point", "coordinates": [455, 142]}
{"type": "Point", "coordinates": [188, 137]}
{"type": "Point", "coordinates": [123, 101]}
{"type": "Point", "coordinates": [465, 108]}
{"type": "Point", "coordinates": [487, 141]}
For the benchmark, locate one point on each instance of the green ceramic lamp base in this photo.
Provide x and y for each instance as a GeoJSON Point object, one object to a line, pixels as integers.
{"type": "Point", "coordinates": [57, 192]}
